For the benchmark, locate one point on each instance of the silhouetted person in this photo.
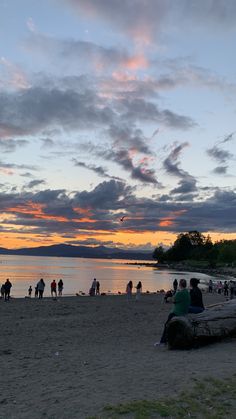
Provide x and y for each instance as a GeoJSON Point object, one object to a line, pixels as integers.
{"type": "Point", "coordinates": [41, 286]}
{"type": "Point", "coordinates": [175, 285]}
{"type": "Point", "coordinates": [54, 288]}
{"type": "Point", "coordinates": [30, 291]}
{"type": "Point", "coordinates": [92, 290]}
{"type": "Point", "coordinates": [36, 291]}
{"type": "Point", "coordinates": [7, 288]}
{"type": "Point", "coordinates": [226, 289]}
{"type": "Point", "coordinates": [3, 290]}
{"type": "Point", "coordinates": [60, 286]}
{"type": "Point", "coordinates": [138, 290]}
{"type": "Point", "coordinates": [98, 288]}
{"type": "Point", "coordinates": [129, 288]}
{"type": "Point", "coordinates": [196, 303]}
{"type": "Point", "coordinates": [210, 286]}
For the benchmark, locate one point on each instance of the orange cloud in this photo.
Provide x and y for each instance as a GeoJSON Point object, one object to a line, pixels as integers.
{"type": "Point", "coordinates": [136, 62]}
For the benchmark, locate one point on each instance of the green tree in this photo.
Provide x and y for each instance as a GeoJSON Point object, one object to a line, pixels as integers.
{"type": "Point", "coordinates": [159, 254]}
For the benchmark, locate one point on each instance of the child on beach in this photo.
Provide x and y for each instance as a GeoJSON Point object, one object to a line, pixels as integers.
{"type": "Point", "coordinates": [30, 291]}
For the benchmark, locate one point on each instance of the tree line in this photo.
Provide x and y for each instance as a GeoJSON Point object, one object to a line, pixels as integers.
{"type": "Point", "coordinates": [195, 246]}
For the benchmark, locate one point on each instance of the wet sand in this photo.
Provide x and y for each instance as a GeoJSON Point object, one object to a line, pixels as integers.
{"type": "Point", "coordinates": [69, 358]}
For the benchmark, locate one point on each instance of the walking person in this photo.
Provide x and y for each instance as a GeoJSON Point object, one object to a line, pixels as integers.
{"type": "Point", "coordinates": [36, 291]}
{"type": "Point", "coordinates": [138, 291]}
{"type": "Point", "coordinates": [60, 286]}
{"type": "Point", "coordinates": [7, 288]}
{"type": "Point", "coordinates": [41, 286]}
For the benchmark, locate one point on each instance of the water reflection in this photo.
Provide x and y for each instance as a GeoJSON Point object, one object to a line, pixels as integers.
{"type": "Point", "coordinates": [77, 274]}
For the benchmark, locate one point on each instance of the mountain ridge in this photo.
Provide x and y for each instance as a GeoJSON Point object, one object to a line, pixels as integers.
{"type": "Point", "coordinates": [68, 250]}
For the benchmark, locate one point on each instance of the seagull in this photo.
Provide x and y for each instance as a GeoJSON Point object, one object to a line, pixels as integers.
{"type": "Point", "coordinates": [122, 218]}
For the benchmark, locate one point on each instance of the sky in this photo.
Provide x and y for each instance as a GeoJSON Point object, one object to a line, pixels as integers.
{"type": "Point", "coordinates": [117, 121]}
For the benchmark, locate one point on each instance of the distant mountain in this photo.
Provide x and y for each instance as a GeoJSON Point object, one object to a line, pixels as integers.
{"type": "Point", "coordinates": [67, 250]}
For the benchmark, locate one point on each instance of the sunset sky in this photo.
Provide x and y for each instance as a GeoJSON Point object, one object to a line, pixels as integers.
{"type": "Point", "coordinates": [112, 109]}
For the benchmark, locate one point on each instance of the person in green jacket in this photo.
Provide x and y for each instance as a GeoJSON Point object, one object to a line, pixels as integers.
{"type": "Point", "coordinates": [180, 308]}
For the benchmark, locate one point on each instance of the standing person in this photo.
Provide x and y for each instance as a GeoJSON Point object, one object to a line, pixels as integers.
{"type": "Point", "coordinates": [54, 288]}
{"type": "Point", "coordinates": [36, 291]}
{"type": "Point", "coordinates": [30, 291]}
{"type": "Point", "coordinates": [129, 288]}
{"type": "Point", "coordinates": [175, 285]}
{"type": "Point", "coordinates": [196, 303]}
{"type": "Point", "coordinates": [226, 289]}
{"type": "Point", "coordinates": [181, 305]}
{"type": "Point", "coordinates": [98, 288]}
{"type": "Point", "coordinates": [41, 286]}
{"type": "Point", "coordinates": [210, 286]}
{"type": "Point", "coordinates": [3, 291]}
{"type": "Point", "coordinates": [60, 287]}
{"type": "Point", "coordinates": [138, 290]}
{"type": "Point", "coordinates": [93, 288]}
{"type": "Point", "coordinates": [7, 288]}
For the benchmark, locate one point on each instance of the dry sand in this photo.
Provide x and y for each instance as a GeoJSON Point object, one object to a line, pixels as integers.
{"type": "Point", "coordinates": [68, 358]}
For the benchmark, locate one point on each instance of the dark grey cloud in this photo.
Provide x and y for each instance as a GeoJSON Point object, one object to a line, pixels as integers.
{"type": "Point", "coordinates": [48, 108]}
{"type": "Point", "coordinates": [186, 186]}
{"type": "Point", "coordinates": [219, 154]}
{"type": "Point", "coordinates": [171, 163]}
{"type": "Point", "coordinates": [99, 170]}
{"type": "Point", "coordinates": [138, 172]}
{"type": "Point", "coordinates": [35, 182]}
{"type": "Point", "coordinates": [56, 212]}
{"type": "Point", "coordinates": [141, 110]}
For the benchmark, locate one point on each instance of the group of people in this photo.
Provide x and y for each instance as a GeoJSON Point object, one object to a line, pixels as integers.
{"type": "Point", "coordinates": [129, 290]}
{"type": "Point", "coordinates": [6, 290]}
{"type": "Point", "coordinates": [227, 288]}
{"type": "Point", "coordinates": [39, 289]}
{"type": "Point", "coordinates": [184, 302]}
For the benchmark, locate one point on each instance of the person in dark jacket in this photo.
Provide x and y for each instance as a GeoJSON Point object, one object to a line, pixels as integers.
{"type": "Point", "coordinates": [196, 304]}
{"type": "Point", "coordinates": [7, 288]}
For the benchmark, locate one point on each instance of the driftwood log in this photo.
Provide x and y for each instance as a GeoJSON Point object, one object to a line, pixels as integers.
{"type": "Point", "coordinates": [215, 323]}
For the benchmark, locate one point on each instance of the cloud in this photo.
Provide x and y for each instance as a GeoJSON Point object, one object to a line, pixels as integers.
{"type": "Point", "coordinates": [92, 55]}
{"type": "Point", "coordinates": [144, 20]}
{"type": "Point", "coordinates": [9, 145]}
{"type": "Point", "coordinates": [50, 212]}
{"type": "Point", "coordinates": [35, 182]}
{"type": "Point", "coordinates": [171, 163]}
{"type": "Point", "coordinates": [99, 170]}
{"type": "Point", "coordinates": [221, 156]}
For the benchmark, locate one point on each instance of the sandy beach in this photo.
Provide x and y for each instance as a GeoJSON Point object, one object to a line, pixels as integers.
{"type": "Point", "coordinates": [71, 357]}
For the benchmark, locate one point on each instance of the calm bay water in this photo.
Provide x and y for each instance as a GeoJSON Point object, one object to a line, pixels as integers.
{"type": "Point", "coordinates": [78, 273]}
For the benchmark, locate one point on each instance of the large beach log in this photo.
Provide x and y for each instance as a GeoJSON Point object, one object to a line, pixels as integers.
{"type": "Point", "coordinates": [216, 322]}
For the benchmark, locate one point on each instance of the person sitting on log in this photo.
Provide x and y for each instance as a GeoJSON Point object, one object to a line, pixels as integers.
{"type": "Point", "coordinates": [196, 303]}
{"type": "Point", "coordinates": [181, 305]}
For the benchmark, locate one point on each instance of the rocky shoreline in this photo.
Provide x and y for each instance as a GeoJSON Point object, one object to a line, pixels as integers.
{"type": "Point", "coordinates": [223, 272]}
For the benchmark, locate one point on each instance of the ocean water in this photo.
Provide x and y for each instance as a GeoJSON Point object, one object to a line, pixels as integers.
{"type": "Point", "coordinates": [78, 273]}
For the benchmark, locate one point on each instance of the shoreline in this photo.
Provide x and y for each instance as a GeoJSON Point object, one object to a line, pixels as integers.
{"type": "Point", "coordinates": [73, 356]}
